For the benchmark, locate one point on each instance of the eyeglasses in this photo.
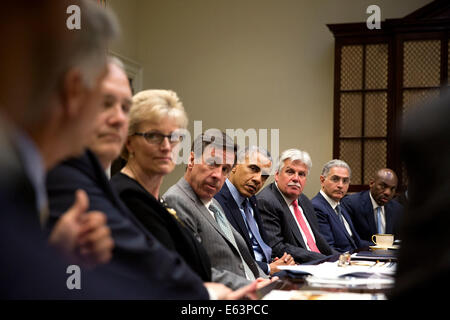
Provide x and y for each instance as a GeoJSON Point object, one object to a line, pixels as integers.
{"type": "Point", "coordinates": [336, 179]}
{"type": "Point", "coordinates": [155, 137]}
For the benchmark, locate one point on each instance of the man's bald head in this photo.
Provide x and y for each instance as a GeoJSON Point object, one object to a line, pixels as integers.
{"type": "Point", "coordinates": [383, 186]}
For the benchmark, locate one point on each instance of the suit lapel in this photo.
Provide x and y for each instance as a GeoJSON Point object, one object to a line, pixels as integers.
{"type": "Point", "coordinates": [335, 217]}
{"type": "Point", "coordinates": [257, 217]}
{"type": "Point", "coordinates": [234, 211]}
{"type": "Point", "coordinates": [368, 209]}
{"type": "Point", "coordinates": [388, 217]}
{"type": "Point", "coordinates": [184, 185]}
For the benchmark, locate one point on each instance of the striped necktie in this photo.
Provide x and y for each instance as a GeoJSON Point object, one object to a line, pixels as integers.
{"type": "Point", "coordinates": [225, 227]}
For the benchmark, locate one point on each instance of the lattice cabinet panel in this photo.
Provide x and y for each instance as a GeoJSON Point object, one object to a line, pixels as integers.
{"type": "Point", "coordinates": [422, 63]}
{"type": "Point", "coordinates": [375, 114]}
{"type": "Point", "coordinates": [351, 67]}
{"type": "Point", "coordinates": [351, 153]}
{"type": "Point", "coordinates": [376, 66]}
{"type": "Point", "coordinates": [416, 98]}
{"type": "Point", "coordinates": [351, 115]}
{"type": "Point", "coordinates": [374, 157]}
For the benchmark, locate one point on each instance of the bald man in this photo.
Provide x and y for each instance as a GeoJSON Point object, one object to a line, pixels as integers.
{"type": "Point", "coordinates": [372, 211]}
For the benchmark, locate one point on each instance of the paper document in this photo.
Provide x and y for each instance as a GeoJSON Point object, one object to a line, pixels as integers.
{"type": "Point", "coordinates": [331, 270]}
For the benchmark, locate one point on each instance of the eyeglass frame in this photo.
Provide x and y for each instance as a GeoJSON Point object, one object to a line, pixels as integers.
{"type": "Point", "coordinates": [161, 137]}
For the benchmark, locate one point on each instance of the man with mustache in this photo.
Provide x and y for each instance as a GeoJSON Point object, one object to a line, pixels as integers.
{"type": "Point", "coordinates": [334, 222]}
{"type": "Point", "coordinates": [212, 158]}
{"type": "Point", "coordinates": [288, 215]}
{"type": "Point", "coordinates": [372, 211]}
{"type": "Point", "coordinates": [237, 198]}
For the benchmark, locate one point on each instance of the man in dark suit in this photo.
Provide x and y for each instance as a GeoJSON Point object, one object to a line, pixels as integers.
{"type": "Point", "coordinates": [372, 211]}
{"type": "Point", "coordinates": [288, 215]}
{"type": "Point", "coordinates": [137, 256]}
{"type": "Point", "coordinates": [212, 157]}
{"type": "Point", "coordinates": [424, 257]}
{"type": "Point", "coordinates": [48, 89]}
{"type": "Point", "coordinates": [334, 222]}
{"type": "Point", "coordinates": [237, 198]}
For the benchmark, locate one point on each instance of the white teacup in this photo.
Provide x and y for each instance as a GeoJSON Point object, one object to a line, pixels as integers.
{"type": "Point", "coordinates": [383, 240]}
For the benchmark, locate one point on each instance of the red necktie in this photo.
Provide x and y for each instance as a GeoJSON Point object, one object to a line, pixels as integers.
{"type": "Point", "coordinates": [302, 223]}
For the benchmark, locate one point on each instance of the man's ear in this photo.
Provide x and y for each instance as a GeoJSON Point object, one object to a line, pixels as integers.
{"type": "Point", "coordinates": [276, 176]}
{"type": "Point", "coordinates": [191, 161]}
{"type": "Point", "coordinates": [72, 93]}
{"type": "Point", "coordinates": [322, 179]}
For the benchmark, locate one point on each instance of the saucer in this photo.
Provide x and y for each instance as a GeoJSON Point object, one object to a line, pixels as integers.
{"type": "Point", "coordinates": [393, 247]}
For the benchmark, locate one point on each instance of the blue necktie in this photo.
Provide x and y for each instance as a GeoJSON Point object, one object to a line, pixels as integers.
{"type": "Point", "coordinates": [338, 210]}
{"type": "Point", "coordinates": [379, 226]}
{"type": "Point", "coordinates": [256, 239]}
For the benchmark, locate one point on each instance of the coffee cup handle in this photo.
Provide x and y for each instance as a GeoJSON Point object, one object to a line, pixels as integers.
{"type": "Point", "coordinates": [373, 239]}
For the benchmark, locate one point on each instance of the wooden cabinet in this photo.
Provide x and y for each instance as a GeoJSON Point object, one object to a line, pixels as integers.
{"type": "Point", "coordinates": [379, 75]}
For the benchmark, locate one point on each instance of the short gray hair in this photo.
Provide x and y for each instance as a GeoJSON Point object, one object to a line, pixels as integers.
{"type": "Point", "coordinates": [53, 53]}
{"type": "Point", "coordinates": [90, 43]}
{"type": "Point", "coordinates": [251, 150]}
{"type": "Point", "coordinates": [117, 62]}
{"type": "Point", "coordinates": [294, 155]}
{"type": "Point", "coordinates": [335, 163]}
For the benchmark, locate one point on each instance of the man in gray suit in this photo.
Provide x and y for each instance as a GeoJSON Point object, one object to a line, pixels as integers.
{"type": "Point", "coordinates": [212, 158]}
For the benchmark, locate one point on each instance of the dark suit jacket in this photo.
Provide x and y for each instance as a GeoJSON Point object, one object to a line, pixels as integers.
{"type": "Point", "coordinates": [30, 268]}
{"type": "Point", "coordinates": [234, 216]}
{"type": "Point", "coordinates": [281, 228]}
{"type": "Point", "coordinates": [138, 257]}
{"type": "Point", "coordinates": [332, 228]}
{"type": "Point", "coordinates": [424, 255]}
{"type": "Point", "coordinates": [359, 207]}
{"type": "Point", "coordinates": [161, 224]}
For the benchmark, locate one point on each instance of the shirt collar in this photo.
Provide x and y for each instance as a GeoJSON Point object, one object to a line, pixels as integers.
{"type": "Point", "coordinates": [374, 204]}
{"type": "Point", "coordinates": [207, 203]}
{"type": "Point", "coordinates": [235, 193]}
{"type": "Point", "coordinates": [331, 202]}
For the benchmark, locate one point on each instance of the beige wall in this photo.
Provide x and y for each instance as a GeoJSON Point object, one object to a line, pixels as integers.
{"type": "Point", "coordinates": [248, 63]}
{"type": "Point", "coordinates": [127, 14]}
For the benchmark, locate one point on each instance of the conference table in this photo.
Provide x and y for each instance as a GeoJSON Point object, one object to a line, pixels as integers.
{"type": "Point", "coordinates": [364, 274]}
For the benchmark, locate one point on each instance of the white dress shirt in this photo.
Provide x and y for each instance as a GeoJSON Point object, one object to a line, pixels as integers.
{"type": "Point", "coordinates": [334, 204]}
{"type": "Point", "coordinates": [383, 214]}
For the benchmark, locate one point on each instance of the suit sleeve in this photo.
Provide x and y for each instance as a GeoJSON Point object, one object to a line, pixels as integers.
{"type": "Point", "coordinates": [178, 204]}
{"type": "Point", "coordinates": [138, 258]}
